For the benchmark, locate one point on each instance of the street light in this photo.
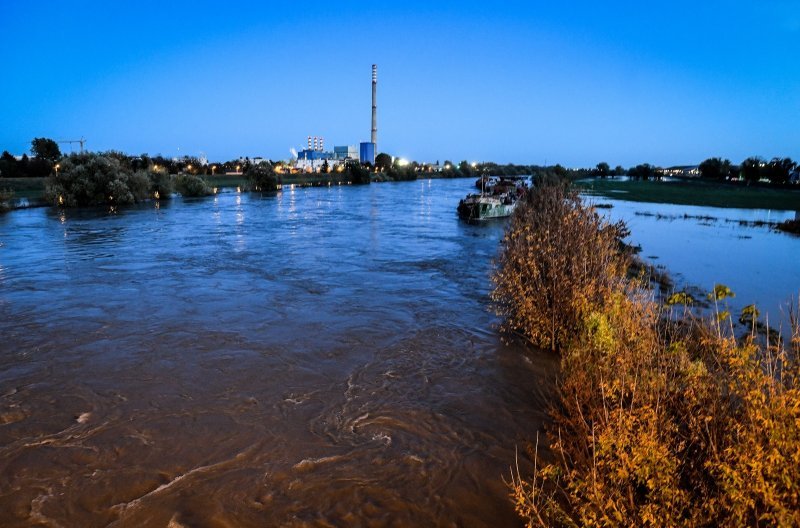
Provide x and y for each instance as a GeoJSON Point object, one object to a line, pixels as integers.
{"type": "Point", "coordinates": [56, 167]}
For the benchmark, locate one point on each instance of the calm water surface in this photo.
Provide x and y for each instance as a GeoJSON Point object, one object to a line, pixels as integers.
{"type": "Point", "coordinates": [703, 246]}
{"type": "Point", "coordinates": [323, 357]}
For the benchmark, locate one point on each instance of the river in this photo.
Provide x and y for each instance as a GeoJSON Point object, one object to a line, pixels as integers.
{"type": "Point", "coordinates": [321, 357]}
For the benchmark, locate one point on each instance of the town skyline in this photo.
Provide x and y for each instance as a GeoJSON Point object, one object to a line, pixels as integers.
{"type": "Point", "coordinates": [522, 83]}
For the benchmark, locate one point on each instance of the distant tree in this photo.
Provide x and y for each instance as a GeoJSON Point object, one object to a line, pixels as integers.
{"type": "Point", "coordinates": [9, 166]}
{"type": "Point", "coordinates": [560, 171]}
{"type": "Point", "coordinates": [358, 174]}
{"type": "Point", "coordinates": [778, 170]}
{"type": "Point", "coordinates": [325, 167]}
{"type": "Point", "coordinates": [602, 169]}
{"type": "Point", "coordinates": [38, 168]}
{"type": "Point", "coordinates": [383, 161]}
{"type": "Point", "coordinates": [46, 149]}
{"type": "Point", "coordinates": [751, 169]}
{"type": "Point", "coordinates": [465, 168]}
{"type": "Point", "coordinates": [715, 168]}
{"type": "Point", "coordinates": [619, 170]}
{"type": "Point", "coordinates": [643, 171]}
{"type": "Point", "coordinates": [261, 178]}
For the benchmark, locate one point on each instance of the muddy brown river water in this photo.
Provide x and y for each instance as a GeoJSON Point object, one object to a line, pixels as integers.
{"type": "Point", "coordinates": [323, 357]}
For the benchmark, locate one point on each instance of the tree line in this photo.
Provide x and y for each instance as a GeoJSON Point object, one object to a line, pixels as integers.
{"type": "Point", "coordinates": [753, 169]}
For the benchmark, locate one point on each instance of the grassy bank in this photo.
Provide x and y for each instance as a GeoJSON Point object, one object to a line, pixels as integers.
{"type": "Point", "coordinates": [694, 192]}
{"type": "Point", "coordinates": [662, 418]}
{"type": "Point", "coordinates": [30, 188]}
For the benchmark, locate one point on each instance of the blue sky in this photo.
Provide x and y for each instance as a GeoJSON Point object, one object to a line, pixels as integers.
{"type": "Point", "coordinates": [525, 82]}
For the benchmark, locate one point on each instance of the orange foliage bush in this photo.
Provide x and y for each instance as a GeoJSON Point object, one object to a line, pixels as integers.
{"type": "Point", "coordinates": [561, 259]}
{"type": "Point", "coordinates": [663, 419]}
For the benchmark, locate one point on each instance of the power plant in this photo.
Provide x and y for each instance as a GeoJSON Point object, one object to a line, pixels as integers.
{"type": "Point", "coordinates": [314, 157]}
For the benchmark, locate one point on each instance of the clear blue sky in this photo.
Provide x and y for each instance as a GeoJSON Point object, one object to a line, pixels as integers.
{"type": "Point", "coordinates": [569, 82]}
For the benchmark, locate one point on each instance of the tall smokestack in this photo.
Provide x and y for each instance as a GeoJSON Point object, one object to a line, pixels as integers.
{"type": "Point", "coordinates": [375, 106]}
{"type": "Point", "coordinates": [322, 143]}
{"type": "Point", "coordinates": [309, 142]}
{"type": "Point", "coordinates": [315, 143]}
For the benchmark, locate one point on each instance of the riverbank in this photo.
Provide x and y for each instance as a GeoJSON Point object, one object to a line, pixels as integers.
{"type": "Point", "coordinates": [664, 416]}
{"type": "Point", "coordinates": [694, 192]}
{"type": "Point", "coordinates": [29, 192]}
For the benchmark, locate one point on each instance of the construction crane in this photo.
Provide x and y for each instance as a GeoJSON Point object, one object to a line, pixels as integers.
{"type": "Point", "coordinates": [81, 141]}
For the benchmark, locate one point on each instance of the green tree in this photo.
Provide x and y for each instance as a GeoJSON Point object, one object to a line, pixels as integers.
{"type": "Point", "coordinates": [751, 169]}
{"type": "Point", "coordinates": [643, 171]}
{"type": "Point", "coordinates": [602, 169]}
{"type": "Point", "coordinates": [715, 168]}
{"type": "Point", "coordinates": [46, 149]}
{"type": "Point", "coordinates": [261, 178]}
{"type": "Point", "coordinates": [383, 161]}
{"type": "Point", "coordinates": [9, 166]}
{"type": "Point", "coordinates": [778, 170]}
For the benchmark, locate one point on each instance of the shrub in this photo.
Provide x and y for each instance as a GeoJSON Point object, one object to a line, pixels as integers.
{"type": "Point", "coordinates": [91, 179]}
{"type": "Point", "coordinates": [560, 261]}
{"type": "Point", "coordinates": [261, 178]}
{"type": "Point", "coordinates": [190, 185]}
{"type": "Point", "coordinates": [662, 419]}
{"type": "Point", "coordinates": [357, 173]}
{"type": "Point", "coordinates": [161, 186]}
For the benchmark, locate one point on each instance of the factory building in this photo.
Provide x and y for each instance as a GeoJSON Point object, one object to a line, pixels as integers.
{"type": "Point", "coordinates": [314, 157]}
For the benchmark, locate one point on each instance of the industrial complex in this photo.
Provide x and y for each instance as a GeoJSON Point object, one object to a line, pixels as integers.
{"type": "Point", "coordinates": [314, 158]}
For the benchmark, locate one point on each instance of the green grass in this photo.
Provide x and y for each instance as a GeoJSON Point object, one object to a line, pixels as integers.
{"type": "Point", "coordinates": [694, 192]}
{"type": "Point", "coordinates": [223, 180]}
{"type": "Point", "coordinates": [30, 188]}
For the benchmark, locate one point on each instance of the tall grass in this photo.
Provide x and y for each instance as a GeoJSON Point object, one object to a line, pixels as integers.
{"type": "Point", "coordinates": [662, 418]}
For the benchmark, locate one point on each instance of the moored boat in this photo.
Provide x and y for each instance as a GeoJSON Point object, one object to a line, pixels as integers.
{"type": "Point", "coordinates": [485, 206]}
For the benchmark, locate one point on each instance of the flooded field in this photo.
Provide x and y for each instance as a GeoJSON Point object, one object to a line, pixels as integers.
{"type": "Point", "coordinates": [703, 246]}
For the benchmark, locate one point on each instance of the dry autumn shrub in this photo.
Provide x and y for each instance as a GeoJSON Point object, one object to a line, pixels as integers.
{"type": "Point", "coordinates": [560, 260]}
{"type": "Point", "coordinates": [662, 418]}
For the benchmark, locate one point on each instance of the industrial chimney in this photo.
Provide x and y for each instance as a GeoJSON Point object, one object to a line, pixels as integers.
{"type": "Point", "coordinates": [309, 142]}
{"type": "Point", "coordinates": [374, 137]}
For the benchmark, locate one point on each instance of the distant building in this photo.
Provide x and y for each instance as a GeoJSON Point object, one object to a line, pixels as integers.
{"type": "Point", "coordinates": [685, 171]}
{"type": "Point", "coordinates": [367, 153]}
{"type": "Point", "coordinates": [345, 152]}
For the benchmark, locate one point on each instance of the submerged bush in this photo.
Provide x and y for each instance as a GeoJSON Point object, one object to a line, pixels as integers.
{"type": "Point", "coordinates": [661, 419]}
{"type": "Point", "coordinates": [261, 178]}
{"type": "Point", "coordinates": [88, 179]}
{"type": "Point", "coordinates": [161, 185]}
{"type": "Point", "coordinates": [190, 185]}
{"type": "Point", "coordinates": [92, 179]}
{"type": "Point", "coordinates": [561, 260]}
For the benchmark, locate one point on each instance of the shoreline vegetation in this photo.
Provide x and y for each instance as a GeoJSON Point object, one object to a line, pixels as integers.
{"type": "Point", "coordinates": [42, 178]}
{"type": "Point", "coordinates": [662, 416]}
